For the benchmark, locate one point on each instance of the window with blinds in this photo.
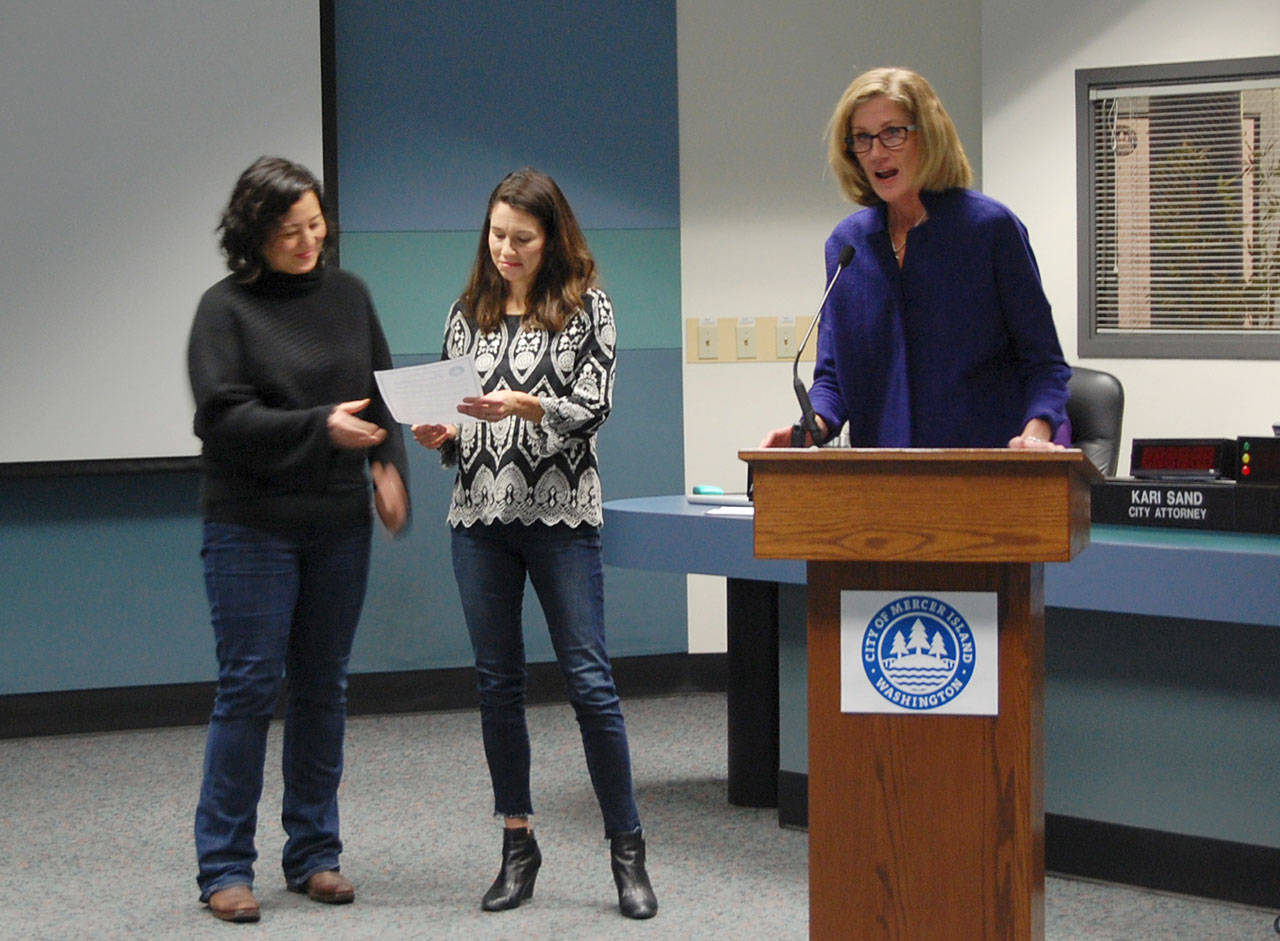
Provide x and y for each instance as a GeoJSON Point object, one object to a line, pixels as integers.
{"type": "Point", "coordinates": [1180, 210]}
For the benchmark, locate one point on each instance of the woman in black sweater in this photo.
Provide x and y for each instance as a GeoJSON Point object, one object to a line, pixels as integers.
{"type": "Point", "coordinates": [281, 360]}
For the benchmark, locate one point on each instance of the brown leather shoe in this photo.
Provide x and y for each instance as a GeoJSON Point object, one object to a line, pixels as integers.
{"type": "Point", "coordinates": [330, 887]}
{"type": "Point", "coordinates": [234, 903]}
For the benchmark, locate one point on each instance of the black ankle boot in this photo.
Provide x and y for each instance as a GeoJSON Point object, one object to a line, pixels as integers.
{"type": "Point", "coordinates": [520, 861]}
{"type": "Point", "coordinates": [635, 894]}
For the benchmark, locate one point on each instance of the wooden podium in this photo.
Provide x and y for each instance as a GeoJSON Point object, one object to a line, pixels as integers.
{"type": "Point", "coordinates": [925, 826]}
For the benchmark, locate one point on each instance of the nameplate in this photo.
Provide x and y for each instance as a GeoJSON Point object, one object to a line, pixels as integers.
{"type": "Point", "coordinates": [1223, 506]}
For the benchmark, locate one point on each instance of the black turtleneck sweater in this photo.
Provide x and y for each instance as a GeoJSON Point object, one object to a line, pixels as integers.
{"type": "Point", "coordinates": [268, 361]}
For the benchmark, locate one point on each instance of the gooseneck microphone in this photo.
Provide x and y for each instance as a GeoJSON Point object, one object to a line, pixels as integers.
{"type": "Point", "coordinates": [808, 421]}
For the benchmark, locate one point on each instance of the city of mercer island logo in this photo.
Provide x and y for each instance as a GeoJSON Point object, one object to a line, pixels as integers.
{"type": "Point", "coordinates": [918, 652]}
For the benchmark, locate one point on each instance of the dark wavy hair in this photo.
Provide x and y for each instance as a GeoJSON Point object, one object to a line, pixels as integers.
{"type": "Point", "coordinates": [263, 194]}
{"type": "Point", "coordinates": [567, 270]}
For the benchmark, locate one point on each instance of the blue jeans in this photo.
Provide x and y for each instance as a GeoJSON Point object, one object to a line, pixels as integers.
{"type": "Point", "coordinates": [565, 566]}
{"type": "Point", "coordinates": [280, 603]}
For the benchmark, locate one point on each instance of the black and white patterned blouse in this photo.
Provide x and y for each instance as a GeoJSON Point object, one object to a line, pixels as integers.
{"type": "Point", "coordinates": [515, 470]}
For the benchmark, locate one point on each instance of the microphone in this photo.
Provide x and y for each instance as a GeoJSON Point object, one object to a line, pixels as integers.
{"type": "Point", "coordinates": [808, 421]}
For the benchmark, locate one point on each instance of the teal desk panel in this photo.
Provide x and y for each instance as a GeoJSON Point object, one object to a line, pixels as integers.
{"type": "Point", "coordinates": [1166, 573]}
{"type": "Point", "coordinates": [670, 534]}
{"type": "Point", "coordinates": [1172, 573]}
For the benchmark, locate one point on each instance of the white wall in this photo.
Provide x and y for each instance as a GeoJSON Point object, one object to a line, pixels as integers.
{"type": "Point", "coordinates": [758, 81]}
{"type": "Point", "coordinates": [1030, 51]}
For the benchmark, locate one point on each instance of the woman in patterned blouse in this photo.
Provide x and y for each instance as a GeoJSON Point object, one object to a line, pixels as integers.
{"type": "Point", "coordinates": [526, 502]}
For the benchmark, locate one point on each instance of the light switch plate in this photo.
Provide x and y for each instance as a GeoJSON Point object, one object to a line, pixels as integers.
{"type": "Point", "coordinates": [785, 338]}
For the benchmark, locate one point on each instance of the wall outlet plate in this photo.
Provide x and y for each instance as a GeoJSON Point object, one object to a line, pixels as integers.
{"type": "Point", "coordinates": [745, 333]}
{"type": "Point", "coordinates": [708, 338]}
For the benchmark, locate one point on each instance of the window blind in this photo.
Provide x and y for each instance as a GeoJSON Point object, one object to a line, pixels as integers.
{"type": "Point", "coordinates": [1186, 207]}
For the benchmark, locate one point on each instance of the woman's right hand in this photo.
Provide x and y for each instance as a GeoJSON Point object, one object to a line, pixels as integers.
{"type": "Point", "coordinates": [434, 436]}
{"type": "Point", "coordinates": [350, 432]}
{"type": "Point", "coordinates": [778, 438]}
{"type": "Point", "coordinates": [781, 437]}
{"type": "Point", "coordinates": [389, 496]}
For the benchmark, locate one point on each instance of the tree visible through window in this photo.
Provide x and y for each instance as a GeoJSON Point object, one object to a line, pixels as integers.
{"type": "Point", "coordinates": [1180, 210]}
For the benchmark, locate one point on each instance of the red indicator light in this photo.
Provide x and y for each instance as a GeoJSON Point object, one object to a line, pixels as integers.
{"type": "Point", "coordinates": [1245, 470]}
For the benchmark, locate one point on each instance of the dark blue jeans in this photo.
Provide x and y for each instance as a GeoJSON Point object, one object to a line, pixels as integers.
{"type": "Point", "coordinates": [279, 604]}
{"type": "Point", "coordinates": [565, 566]}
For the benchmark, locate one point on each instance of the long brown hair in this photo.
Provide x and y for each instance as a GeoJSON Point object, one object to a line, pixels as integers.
{"type": "Point", "coordinates": [567, 269]}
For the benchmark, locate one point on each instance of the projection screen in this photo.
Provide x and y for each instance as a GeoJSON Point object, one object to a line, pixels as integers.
{"type": "Point", "coordinates": [125, 125]}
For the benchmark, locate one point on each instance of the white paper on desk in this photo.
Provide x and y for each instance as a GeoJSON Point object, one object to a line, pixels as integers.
{"type": "Point", "coordinates": [429, 394]}
{"type": "Point", "coordinates": [731, 510]}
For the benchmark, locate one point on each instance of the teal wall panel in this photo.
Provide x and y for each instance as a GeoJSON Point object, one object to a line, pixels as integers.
{"type": "Point", "coordinates": [101, 584]}
{"type": "Point", "coordinates": [423, 133]}
{"type": "Point", "coordinates": [640, 269]}
{"type": "Point", "coordinates": [436, 102]}
{"type": "Point", "coordinates": [415, 276]}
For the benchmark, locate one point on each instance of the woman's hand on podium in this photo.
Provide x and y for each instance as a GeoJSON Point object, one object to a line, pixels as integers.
{"type": "Point", "coordinates": [1037, 436]}
{"type": "Point", "coordinates": [781, 437]}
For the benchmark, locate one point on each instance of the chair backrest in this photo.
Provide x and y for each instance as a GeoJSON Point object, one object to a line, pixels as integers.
{"type": "Point", "coordinates": [1095, 406]}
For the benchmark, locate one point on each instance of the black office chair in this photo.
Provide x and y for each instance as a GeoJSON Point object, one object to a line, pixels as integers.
{"type": "Point", "coordinates": [1095, 407]}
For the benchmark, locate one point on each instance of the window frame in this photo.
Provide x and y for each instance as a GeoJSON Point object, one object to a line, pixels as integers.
{"type": "Point", "coordinates": [1171, 344]}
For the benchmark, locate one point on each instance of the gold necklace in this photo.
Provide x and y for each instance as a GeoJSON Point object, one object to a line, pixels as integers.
{"type": "Point", "coordinates": [899, 249]}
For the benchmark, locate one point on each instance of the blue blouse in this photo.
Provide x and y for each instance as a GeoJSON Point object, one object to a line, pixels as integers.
{"type": "Point", "coordinates": [955, 349]}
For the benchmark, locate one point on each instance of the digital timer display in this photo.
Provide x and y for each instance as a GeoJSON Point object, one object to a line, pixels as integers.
{"type": "Point", "coordinates": [1199, 457]}
{"type": "Point", "coordinates": [1203, 458]}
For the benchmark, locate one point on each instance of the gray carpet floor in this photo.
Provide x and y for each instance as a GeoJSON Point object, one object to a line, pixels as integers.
{"type": "Point", "coordinates": [95, 842]}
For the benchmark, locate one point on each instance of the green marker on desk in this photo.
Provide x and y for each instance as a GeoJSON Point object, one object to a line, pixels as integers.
{"type": "Point", "coordinates": [710, 493]}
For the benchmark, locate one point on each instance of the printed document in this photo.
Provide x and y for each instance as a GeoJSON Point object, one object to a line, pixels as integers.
{"type": "Point", "coordinates": [429, 394]}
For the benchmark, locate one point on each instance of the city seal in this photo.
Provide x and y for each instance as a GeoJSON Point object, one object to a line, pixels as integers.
{"type": "Point", "coordinates": [918, 652]}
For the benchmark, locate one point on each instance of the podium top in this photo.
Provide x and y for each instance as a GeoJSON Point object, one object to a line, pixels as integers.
{"type": "Point", "coordinates": [921, 504]}
{"type": "Point", "coordinates": [1067, 456]}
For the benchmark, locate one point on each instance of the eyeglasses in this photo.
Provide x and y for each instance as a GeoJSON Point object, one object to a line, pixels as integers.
{"type": "Point", "coordinates": [892, 138]}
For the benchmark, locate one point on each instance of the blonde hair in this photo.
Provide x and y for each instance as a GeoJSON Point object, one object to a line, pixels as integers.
{"type": "Point", "coordinates": [943, 164]}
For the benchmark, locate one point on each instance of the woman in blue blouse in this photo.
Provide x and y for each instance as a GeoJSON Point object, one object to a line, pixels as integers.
{"type": "Point", "coordinates": [939, 333]}
{"type": "Point", "coordinates": [527, 503]}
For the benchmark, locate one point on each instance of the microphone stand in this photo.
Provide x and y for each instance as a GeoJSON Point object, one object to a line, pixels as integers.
{"type": "Point", "coordinates": [808, 419]}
